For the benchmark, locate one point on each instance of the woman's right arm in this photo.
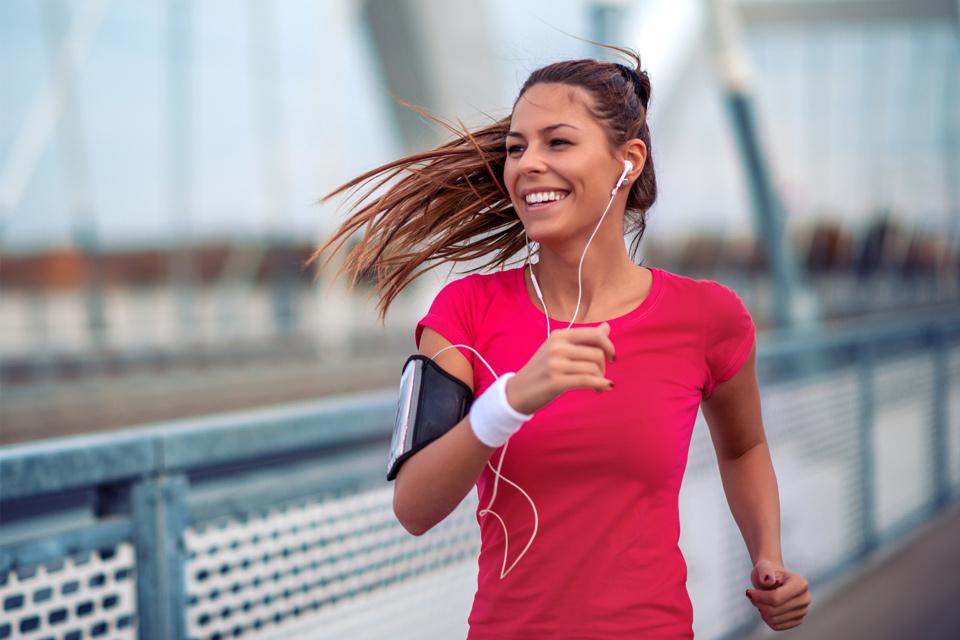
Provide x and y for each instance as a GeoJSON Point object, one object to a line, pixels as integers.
{"type": "Point", "coordinates": [431, 484]}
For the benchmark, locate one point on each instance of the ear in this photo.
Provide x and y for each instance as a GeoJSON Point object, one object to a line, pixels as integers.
{"type": "Point", "coordinates": [635, 151]}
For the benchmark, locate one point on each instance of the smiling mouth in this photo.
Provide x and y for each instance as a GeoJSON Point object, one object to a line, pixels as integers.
{"type": "Point", "coordinates": [542, 206]}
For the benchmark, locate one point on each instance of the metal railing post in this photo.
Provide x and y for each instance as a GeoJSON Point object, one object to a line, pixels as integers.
{"type": "Point", "coordinates": [868, 488]}
{"type": "Point", "coordinates": [159, 509]}
{"type": "Point", "coordinates": [940, 441]}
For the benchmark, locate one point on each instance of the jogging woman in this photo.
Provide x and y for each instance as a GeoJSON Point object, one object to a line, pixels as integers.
{"type": "Point", "coordinates": [587, 369]}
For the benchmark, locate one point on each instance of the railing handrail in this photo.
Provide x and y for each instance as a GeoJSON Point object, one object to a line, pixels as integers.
{"type": "Point", "coordinates": [778, 343]}
{"type": "Point", "coordinates": [84, 461]}
{"type": "Point", "coordinates": [78, 462]}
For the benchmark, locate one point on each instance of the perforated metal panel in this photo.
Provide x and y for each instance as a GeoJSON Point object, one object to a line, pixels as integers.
{"type": "Point", "coordinates": [87, 597]}
{"type": "Point", "coordinates": [813, 431]}
{"type": "Point", "coordinates": [903, 438]}
{"type": "Point", "coordinates": [274, 571]}
{"type": "Point", "coordinates": [434, 604]}
{"type": "Point", "coordinates": [811, 426]}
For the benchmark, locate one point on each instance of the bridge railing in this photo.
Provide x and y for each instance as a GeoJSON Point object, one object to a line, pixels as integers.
{"type": "Point", "coordinates": [264, 522]}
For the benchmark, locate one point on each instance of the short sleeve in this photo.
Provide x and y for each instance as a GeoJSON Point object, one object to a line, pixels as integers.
{"type": "Point", "coordinates": [451, 315]}
{"type": "Point", "coordinates": [730, 334]}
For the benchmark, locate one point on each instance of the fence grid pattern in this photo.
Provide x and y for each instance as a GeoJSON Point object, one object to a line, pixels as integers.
{"type": "Point", "coordinates": [88, 596]}
{"type": "Point", "coordinates": [299, 539]}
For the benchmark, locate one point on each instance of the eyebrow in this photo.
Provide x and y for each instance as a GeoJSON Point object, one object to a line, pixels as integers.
{"type": "Point", "coordinates": [517, 134]}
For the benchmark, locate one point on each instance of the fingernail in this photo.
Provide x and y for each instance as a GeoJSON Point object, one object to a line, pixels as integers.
{"type": "Point", "coordinates": [611, 384]}
{"type": "Point", "coordinates": [747, 593]}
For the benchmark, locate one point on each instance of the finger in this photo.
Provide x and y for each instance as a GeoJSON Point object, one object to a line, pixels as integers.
{"type": "Point", "coordinates": [609, 348]}
{"type": "Point", "coordinates": [766, 598]}
{"type": "Point", "coordinates": [790, 605]}
{"type": "Point", "coordinates": [586, 381]}
{"type": "Point", "coordinates": [787, 624]}
{"type": "Point", "coordinates": [757, 578]}
{"type": "Point", "coordinates": [776, 597]}
{"type": "Point", "coordinates": [802, 600]}
{"type": "Point", "coordinates": [579, 352]}
{"type": "Point", "coordinates": [562, 355]}
{"type": "Point", "coordinates": [769, 599]}
{"type": "Point", "coordinates": [594, 337]}
{"type": "Point", "coordinates": [583, 366]}
{"type": "Point", "coordinates": [790, 614]}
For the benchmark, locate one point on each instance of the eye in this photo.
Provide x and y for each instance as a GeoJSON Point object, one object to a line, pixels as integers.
{"type": "Point", "coordinates": [555, 142]}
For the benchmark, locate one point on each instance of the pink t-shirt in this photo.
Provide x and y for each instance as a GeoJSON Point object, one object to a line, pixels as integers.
{"type": "Point", "coordinates": [604, 469]}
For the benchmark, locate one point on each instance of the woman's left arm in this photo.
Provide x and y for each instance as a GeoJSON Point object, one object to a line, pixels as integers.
{"type": "Point", "coordinates": [733, 415]}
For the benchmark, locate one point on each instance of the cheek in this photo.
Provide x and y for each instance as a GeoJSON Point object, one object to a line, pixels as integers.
{"type": "Point", "coordinates": [509, 175]}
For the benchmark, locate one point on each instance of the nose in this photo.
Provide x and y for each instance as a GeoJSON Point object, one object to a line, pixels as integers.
{"type": "Point", "coordinates": [530, 162]}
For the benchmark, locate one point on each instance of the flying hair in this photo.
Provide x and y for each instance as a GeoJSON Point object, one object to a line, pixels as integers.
{"type": "Point", "coordinates": [449, 204]}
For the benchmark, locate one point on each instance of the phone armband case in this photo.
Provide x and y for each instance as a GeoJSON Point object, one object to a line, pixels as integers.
{"type": "Point", "coordinates": [431, 402]}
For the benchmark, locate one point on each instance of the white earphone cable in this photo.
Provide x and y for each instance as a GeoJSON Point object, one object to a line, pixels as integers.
{"type": "Point", "coordinates": [497, 475]}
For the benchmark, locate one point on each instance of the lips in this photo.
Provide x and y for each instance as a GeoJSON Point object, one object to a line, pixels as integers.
{"type": "Point", "coordinates": [542, 206]}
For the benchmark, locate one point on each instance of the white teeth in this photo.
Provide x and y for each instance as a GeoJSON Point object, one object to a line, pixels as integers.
{"type": "Point", "coordinates": [544, 196]}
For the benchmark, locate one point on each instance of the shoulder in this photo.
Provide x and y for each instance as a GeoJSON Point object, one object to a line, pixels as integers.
{"type": "Point", "coordinates": [723, 307]}
{"type": "Point", "coordinates": [454, 289]}
{"type": "Point", "coordinates": [696, 292]}
{"type": "Point", "coordinates": [703, 289]}
{"type": "Point", "coordinates": [724, 311]}
{"type": "Point", "coordinates": [472, 297]}
{"type": "Point", "coordinates": [463, 304]}
{"type": "Point", "coordinates": [717, 293]}
{"type": "Point", "coordinates": [709, 304]}
{"type": "Point", "coordinates": [477, 284]}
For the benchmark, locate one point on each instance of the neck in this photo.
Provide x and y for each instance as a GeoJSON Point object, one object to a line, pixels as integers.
{"type": "Point", "coordinates": [606, 268]}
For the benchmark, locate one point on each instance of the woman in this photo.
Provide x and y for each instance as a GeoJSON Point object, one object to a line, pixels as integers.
{"type": "Point", "coordinates": [595, 367]}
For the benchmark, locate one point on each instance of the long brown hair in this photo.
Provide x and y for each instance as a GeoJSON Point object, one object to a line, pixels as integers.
{"type": "Point", "coordinates": [450, 205]}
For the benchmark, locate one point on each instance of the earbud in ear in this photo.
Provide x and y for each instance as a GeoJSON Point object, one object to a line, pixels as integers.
{"type": "Point", "coordinates": [622, 180]}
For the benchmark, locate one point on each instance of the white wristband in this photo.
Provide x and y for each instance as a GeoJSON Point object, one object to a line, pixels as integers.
{"type": "Point", "coordinates": [492, 418]}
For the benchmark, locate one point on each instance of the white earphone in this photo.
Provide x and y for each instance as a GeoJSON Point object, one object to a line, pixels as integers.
{"type": "Point", "coordinates": [504, 569]}
{"type": "Point", "coordinates": [622, 180]}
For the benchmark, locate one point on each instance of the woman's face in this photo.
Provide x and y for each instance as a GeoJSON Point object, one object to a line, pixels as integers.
{"type": "Point", "coordinates": [555, 147]}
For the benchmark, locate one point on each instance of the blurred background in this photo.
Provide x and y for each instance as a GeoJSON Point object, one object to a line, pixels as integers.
{"type": "Point", "coordinates": [160, 167]}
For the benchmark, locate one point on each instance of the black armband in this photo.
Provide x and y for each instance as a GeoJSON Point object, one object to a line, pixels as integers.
{"type": "Point", "coordinates": [431, 403]}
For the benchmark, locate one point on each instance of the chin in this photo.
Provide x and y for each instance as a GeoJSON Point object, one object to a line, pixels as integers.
{"type": "Point", "coordinates": [546, 239]}
{"type": "Point", "coordinates": [538, 233]}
